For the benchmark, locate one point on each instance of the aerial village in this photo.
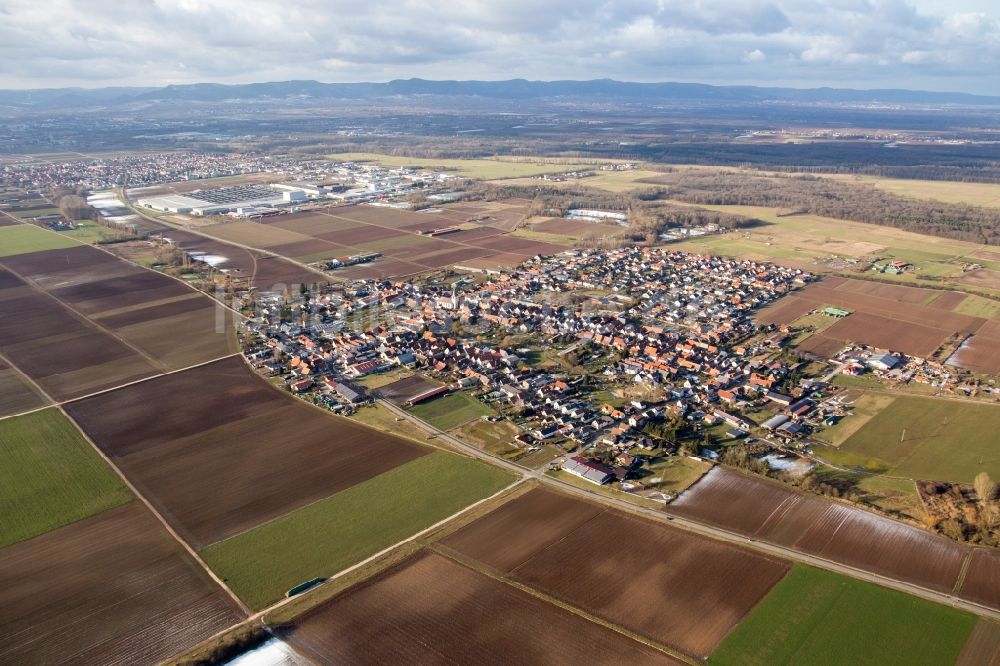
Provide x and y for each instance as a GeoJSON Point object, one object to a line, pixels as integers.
{"type": "Point", "coordinates": [673, 329]}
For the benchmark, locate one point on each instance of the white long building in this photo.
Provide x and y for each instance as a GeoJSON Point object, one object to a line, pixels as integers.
{"type": "Point", "coordinates": [224, 200]}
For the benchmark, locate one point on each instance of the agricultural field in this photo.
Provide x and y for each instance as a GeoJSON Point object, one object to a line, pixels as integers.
{"type": "Point", "coordinates": [84, 321]}
{"type": "Point", "coordinates": [494, 437]}
{"type": "Point", "coordinates": [430, 609]}
{"type": "Point", "coordinates": [219, 426]}
{"type": "Point", "coordinates": [111, 588]}
{"type": "Point", "coordinates": [983, 645]}
{"type": "Point", "coordinates": [450, 411]}
{"type": "Point", "coordinates": [817, 617]}
{"type": "Point", "coordinates": [379, 417]}
{"type": "Point", "coordinates": [90, 232]}
{"type": "Point", "coordinates": [51, 476]}
{"type": "Point", "coordinates": [16, 393]}
{"type": "Point", "coordinates": [924, 438]}
{"type": "Point", "coordinates": [476, 233]}
{"type": "Point", "coordinates": [558, 230]}
{"type": "Point", "coordinates": [824, 244]}
{"type": "Point", "coordinates": [265, 272]}
{"type": "Point", "coordinates": [66, 355]}
{"type": "Point", "coordinates": [692, 590]}
{"type": "Point", "coordinates": [973, 194]}
{"type": "Point", "coordinates": [674, 474]}
{"type": "Point", "coordinates": [772, 512]}
{"type": "Point", "coordinates": [865, 405]}
{"type": "Point", "coordinates": [982, 580]}
{"type": "Point", "coordinates": [23, 238]}
{"type": "Point", "coordinates": [483, 169]}
{"type": "Point", "coordinates": [345, 528]}
{"type": "Point", "coordinates": [609, 181]}
{"type": "Point", "coordinates": [900, 318]}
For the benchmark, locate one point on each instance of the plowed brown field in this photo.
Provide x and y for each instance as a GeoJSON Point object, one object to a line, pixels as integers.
{"type": "Point", "coordinates": [831, 530]}
{"type": "Point", "coordinates": [83, 320]}
{"type": "Point", "coordinates": [114, 588]}
{"type": "Point", "coordinates": [219, 429]}
{"type": "Point", "coordinates": [885, 316]}
{"type": "Point", "coordinates": [982, 580]}
{"type": "Point", "coordinates": [431, 610]}
{"type": "Point", "coordinates": [679, 589]}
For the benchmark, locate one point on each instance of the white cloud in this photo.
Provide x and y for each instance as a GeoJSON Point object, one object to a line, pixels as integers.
{"type": "Point", "coordinates": [905, 43]}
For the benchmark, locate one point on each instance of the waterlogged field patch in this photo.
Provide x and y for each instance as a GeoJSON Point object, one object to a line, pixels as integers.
{"type": "Point", "coordinates": [841, 533]}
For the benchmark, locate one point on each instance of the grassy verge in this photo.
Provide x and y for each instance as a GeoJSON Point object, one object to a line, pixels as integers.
{"type": "Point", "coordinates": [50, 476]}
{"type": "Point", "coordinates": [332, 534]}
{"type": "Point", "coordinates": [817, 617]}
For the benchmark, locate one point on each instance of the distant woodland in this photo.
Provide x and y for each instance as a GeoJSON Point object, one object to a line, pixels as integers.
{"type": "Point", "coordinates": [811, 194]}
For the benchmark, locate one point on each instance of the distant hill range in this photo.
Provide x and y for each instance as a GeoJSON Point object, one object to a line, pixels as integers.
{"type": "Point", "coordinates": [512, 90]}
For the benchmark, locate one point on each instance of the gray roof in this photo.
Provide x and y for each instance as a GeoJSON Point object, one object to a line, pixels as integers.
{"type": "Point", "coordinates": [775, 421]}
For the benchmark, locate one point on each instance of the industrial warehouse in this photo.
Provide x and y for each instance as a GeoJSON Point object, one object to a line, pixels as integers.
{"type": "Point", "coordinates": [242, 199]}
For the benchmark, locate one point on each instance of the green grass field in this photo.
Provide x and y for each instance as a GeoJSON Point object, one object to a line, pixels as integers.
{"type": "Point", "coordinates": [90, 232]}
{"type": "Point", "coordinates": [24, 238]}
{"type": "Point", "coordinates": [816, 617]}
{"type": "Point", "coordinates": [944, 440]}
{"type": "Point", "coordinates": [450, 411]}
{"type": "Point", "coordinates": [50, 476]}
{"type": "Point", "coordinates": [485, 169]}
{"type": "Point", "coordinates": [332, 534]}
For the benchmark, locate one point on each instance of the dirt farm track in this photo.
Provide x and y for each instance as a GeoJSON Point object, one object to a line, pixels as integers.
{"type": "Point", "coordinates": [429, 607]}
{"type": "Point", "coordinates": [679, 589]}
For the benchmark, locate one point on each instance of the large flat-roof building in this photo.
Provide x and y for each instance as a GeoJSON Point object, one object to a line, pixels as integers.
{"type": "Point", "coordinates": [224, 200]}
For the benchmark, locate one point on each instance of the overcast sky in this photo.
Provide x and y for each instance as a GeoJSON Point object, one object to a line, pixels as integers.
{"type": "Point", "coordinates": [918, 44]}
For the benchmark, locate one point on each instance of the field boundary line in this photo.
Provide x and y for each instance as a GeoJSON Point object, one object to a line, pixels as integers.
{"type": "Point", "coordinates": [500, 577]}
{"type": "Point", "coordinates": [155, 363]}
{"type": "Point", "coordinates": [60, 403]}
{"type": "Point", "coordinates": [50, 401]}
{"type": "Point", "coordinates": [146, 379]}
{"type": "Point", "coordinates": [966, 563]}
{"type": "Point", "coordinates": [98, 247]}
{"type": "Point", "coordinates": [149, 505]}
{"type": "Point", "coordinates": [374, 556]}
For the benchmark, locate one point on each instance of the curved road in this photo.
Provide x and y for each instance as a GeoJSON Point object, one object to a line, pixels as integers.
{"type": "Point", "coordinates": [703, 528]}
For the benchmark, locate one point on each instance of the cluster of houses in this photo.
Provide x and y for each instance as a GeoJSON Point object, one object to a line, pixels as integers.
{"type": "Point", "coordinates": [626, 318]}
